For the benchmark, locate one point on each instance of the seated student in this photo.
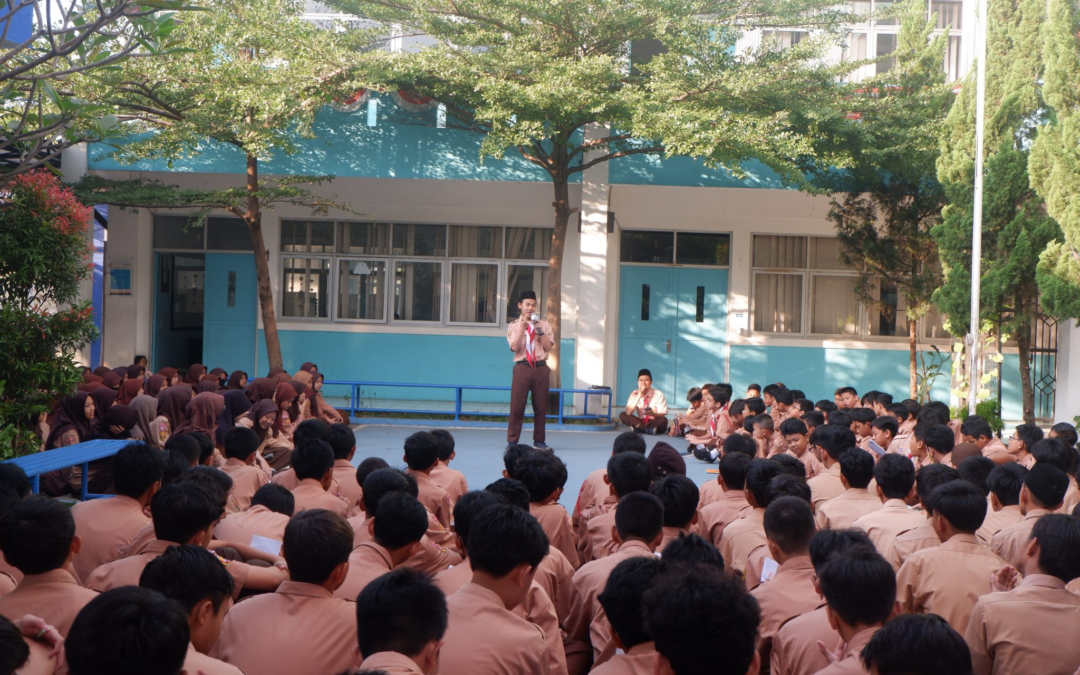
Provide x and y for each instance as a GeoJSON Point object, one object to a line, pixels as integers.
{"type": "Point", "coordinates": [1004, 482]}
{"type": "Point", "coordinates": [895, 477]}
{"type": "Point", "coordinates": [343, 444]}
{"type": "Point", "coordinates": [789, 525]}
{"type": "Point", "coordinates": [825, 406]}
{"type": "Point", "coordinates": [846, 398]}
{"type": "Point", "coordinates": [621, 600]}
{"type": "Point", "coordinates": [883, 431]}
{"type": "Point", "coordinates": [796, 649]}
{"type": "Point", "coordinates": [795, 436]}
{"type": "Point", "coordinates": [544, 476]}
{"type": "Point", "coordinates": [695, 417]}
{"type": "Point", "coordinates": [421, 456]}
{"type": "Point", "coordinates": [962, 451]}
{"type": "Point", "coordinates": [927, 479]}
{"type": "Point", "coordinates": [401, 619]}
{"type": "Point", "coordinates": [537, 607]}
{"type": "Point", "coordinates": [1020, 443]}
{"type": "Point", "coordinates": [977, 430]}
{"type": "Point", "coordinates": [827, 443]}
{"type": "Point", "coordinates": [395, 538]}
{"type": "Point", "coordinates": [515, 451]}
{"type": "Point", "coordinates": [862, 420]}
{"type": "Point", "coordinates": [106, 525]}
{"type": "Point", "coordinates": [791, 466]}
{"type": "Point", "coordinates": [308, 429]}
{"type": "Point", "coordinates": [451, 480]}
{"type": "Point", "coordinates": [1025, 625]}
{"type": "Point", "coordinates": [646, 410]}
{"type": "Point", "coordinates": [300, 628]}
{"type": "Point", "coordinates": [840, 418]}
{"type": "Point", "coordinates": [692, 548]}
{"type": "Point", "coordinates": [195, 578]}
{"type": "Point", "coordinates": [742, 536]}
{"type": "Point", "coordinates": [271, 508]}
{"type": "Point", "coordinates": [638, 530]}
{"type": "Point", "coordinates": [813, 420]}
{"type": "Point", "coordinates": [918, 644]}
{"type": "Point", "coordinates": [505, 547]}
{"type": "Point", "coordinates": [679, 496]}
{"type": "Point", "coordinates": [906, 423]}
{"type": "Point", "coordinates": [686, 609]}
{"type": "Point", "coordinates": [856, 472]}
{"type": "Point", "coordinates": [1044, 488]}
{"type": "Point", "coordinates": [666, 461]}
{"type": "Point", "coordinates": [313, 464]}
{"type": "Point", "coordinates": [364, 469]}
{"type": "Point", "coordinates": [800, 407]}
{"type": "Point", "coordinates": [780, 408]}
{"type": "Point", "coordinates": [714, 490]}
{"type": "Point", "coordinates": [948, 579]}
{"type": "Point", "coordinates": [129, 630]}
{"type": "Point", "coordinates": [240, 446]}
{"type": "Point", "coordinates": [753, 391]}
{"type": "Point", "coordinates": [626, 473]}
{"type": "Point", "coordinates": [38, 538]}
{"type": "Point", "coordinates": [704, 444]}
{"type": "Point", "coordinates": [860, 589]}
{"type": "Point", "coordinates": [768, 441]}
{"type": "Point", "coordinates": [1054, 452]}
{"type": "Point", "coordinates": [938, 441]}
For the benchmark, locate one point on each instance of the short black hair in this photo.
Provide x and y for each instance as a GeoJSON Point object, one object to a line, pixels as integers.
{"type": "Point", "coordinates": [14, 652]}
{"type": "Point", "coordinates": [929, 478]}
{"type": "Point", "coordinates": [846, 390]}
{"type": "Point", "coordinates": [511, 492]}
{"type": "Point", "coordinates": [421, 451]}
{"type": "Point", "coordinates": [1054, 452]}
{"type": "Point", "coordinates": [639, 515]}
{"type": "Point", "coordinates": [380, 483]}
{"type": "Point", "coordinates": [934, 412]}
{"type": "Point", "coordinates": [186, 446]}
{"type": "Point", "coordinates": [975, 470]}
{"type": "Point", "coordinates": [622, 598]}
{"type": "Point", "coordinates": [342, 440]}
{"type": "Point", "coordinates": [813, 419]}
{"type": "Point", "coordinates": [784, 396]}
{"type": "Point", "coordinates": [312, 428]}
{"type": "Point", "coordinates": [240, 443]}
{"type": "Point", "coordinates": [790, 465]}
{"type": "Point", "coordinates": [758, 475]}
{"type": "Point", "coordinates": [917, 644]}
{"type": "Point", "coordinates": [1059, 545]}
{"type": "Point", "coordinates": [960, 503]}
{"type": "Point", "coordinates": [863, 415]}
{"type": "Point", "coordinates": [316, 541]}
{"type": "Point", "coordinates": [206, 445]}
{"type": "Point", "coordinates": [825, 405]}
{"type": "Point", "coordinates": [176, 463]}
{"type": "Point", "coordinates": [859, 586]}
{"type": "Point", "coordinates": [312, 459]}
{"type": "Point", "coordinates": [733, 468]}
{"type": "Point", "coordinates": [754, 386]}
{"type": "Point", "coordinates": [469, 506]}
{"type": "Point", "coordinates": [737, 406]}
{"type": "Point", "coordinates": [833, 439]}
{"type": "Point", "coordinates": [14, 485]}
{"type": "Point", "coordinates": [895, 475]}
{"type": "Point", "coordinates": [786, 485]}
{"type": "Point", "coordinates": [403, 521]}
{"type": "Point", "coordinates": [401, 611]}
{"type": "Point", "coordinates": [840, 418]}
{"type": "Point", "coordinates": [719, 393]}
{"type": "Point", "coordinates": [513, 455]}
{"type": "Point", "coordinates": [771, 389]}
{"type": "Point", "coordinates": [755, 405]}
{"type": "Point", "coordinates": [628, 441]}
{"type": "Point", "coordinates": [886, 423]}
{"type": "Point", "coordinates": [688, 607]}
{"type": "Point", "coordinates": [540, 472]}
{"type": "Point", "coordinates": [446, 443]}
{"type": "Point", "coordinates": [189, 575]}
{"type": "Point", "coordinates": [692, 548]}
{"type": "Point", "coordinates": [503, 537]}
{"type": "Point", "coordinates": [975, 426]}
{"type": "Point", "coordinates": [740, 444]}
{"type": "Point", "coordinates": [275, 498]}
{"type": "Point", "coordinates": [128, 630]}
{"type": "Point", "coordinates": [939, 438]}
{"type": "Point", "coordinates": [367, 466]}
{"type": "Point", "coordinates": [857, 467]}
{"type": "Point", "coordinates": [826, 544]}
{"type": "Point", "coordinates": [1005, 482]}
{"type": "Point", "coordinates": [763, 420]}
{"type": "Point", "coordinates": [801, 402]}
{"type": "Point", "coordinates": [36, 535]}
{"type": "Point", "coordinates": [792, 426]}
{"type": "Point", "coordinates": [883, 398]}
{"type": "Point", "coordinates": [789, 523]}
{"type": "Point", "coordinates": [181, 510]}
{"type": "Point", "coordinates": [216, 480]}
{"type": "Point", "coordinates": [900, 410]}
{"type": "Point", "coordinates": [1066, 432]}
{"type": "Point", "coordinates": [136, 468]}
{"type": "Point", "coordinates": [1030, 434]}
{"type": "Point", "coordinates": [679, 495]}
{"type": "Point", "coordinates": [629, 472]}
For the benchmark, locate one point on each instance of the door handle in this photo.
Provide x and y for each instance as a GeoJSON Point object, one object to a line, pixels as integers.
{"type": "Point", "coordinates": [667, 345]}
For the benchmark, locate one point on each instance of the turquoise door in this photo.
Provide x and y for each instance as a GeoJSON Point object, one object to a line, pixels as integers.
{"type": "Point", "coordinates": [230, 303]}
{"type": "Point", "coordinates": [672, 321]}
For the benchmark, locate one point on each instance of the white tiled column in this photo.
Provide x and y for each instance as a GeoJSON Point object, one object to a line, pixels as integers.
{"type": "Point", "coordinates": [73, 163]}
{"type": "Point", "coordinates": [1067, 393]}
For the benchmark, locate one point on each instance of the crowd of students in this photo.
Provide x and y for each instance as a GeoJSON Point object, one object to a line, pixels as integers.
{"type": "Point", "coordinates": [853, 536]}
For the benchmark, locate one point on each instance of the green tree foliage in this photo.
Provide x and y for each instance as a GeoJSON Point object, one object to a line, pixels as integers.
{"type": "Point", "coordinates": [43, 257]}
{"type": "Point", "coordinates": [553, 81]}
{"type": "Point", "coordinates": [1016, 229]}
{"type": "Point", "coordinates": [888, 197]}
{"type": "Point", "coordinates": [1055, 158]}
{"type": "Point", "coordinates": [252, 76]}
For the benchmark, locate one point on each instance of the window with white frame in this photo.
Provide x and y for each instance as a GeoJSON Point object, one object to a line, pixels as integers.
{"type": "Point", "coordinates": [418, 273]}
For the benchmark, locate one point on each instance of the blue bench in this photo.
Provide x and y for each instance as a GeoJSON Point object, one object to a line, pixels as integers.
{"type": "Point", "coordinates": [40, 463]}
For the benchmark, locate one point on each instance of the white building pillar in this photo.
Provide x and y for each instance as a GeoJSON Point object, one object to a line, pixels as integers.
{"type": "Point", "coordinates": [73, 163]}
{"type": "Point", "coordinates": [128, 317]}
{"type": "Point", "coordinates": [1067, 392]}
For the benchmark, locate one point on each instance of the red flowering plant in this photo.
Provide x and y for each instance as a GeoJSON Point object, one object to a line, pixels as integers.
{"type": "Point", "coordinates": [44, 256]}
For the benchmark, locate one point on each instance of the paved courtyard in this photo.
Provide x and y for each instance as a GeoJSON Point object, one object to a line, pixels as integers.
{"type": "Point", "coordinates": [479, 452]}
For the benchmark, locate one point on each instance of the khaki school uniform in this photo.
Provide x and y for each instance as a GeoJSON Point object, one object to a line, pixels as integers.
{"type": "Point", "coordinates": [127, 571]}
{"type": "Point", "coordinates": [825, 486]}
{"type": "Point", "coordinates": [105, 526]}
{"type": "Point", "coordinates": [556, 523]}
{"type": "Point", "coordinates": [947, 580]}
{"type": "Point", "coordinates": [639, 660]}
{"type": "Point", "coordinates": [996, 521]}
{"type": "Point", "coordinates": [345, 477]}
{"type": "Point", "coordinates": [888, 522]}
{"type": "Point", "coordinates": [1072, 498]}
{"type": "Point", "coordinates": [390, 663]}
{"type": "Point", "coordinates": [451, 480]}
{"type": "Point", "coordinates": [593, 491]}
{"type": "Point", "coordinates": [484, 638]}
{"type": "Point", "coordinates": [367, 562]}
{"type": "Point", "coordinates": [741, 537]}
{"type": "Point", "coordinates": [995, 450]}
{"type": "Point", "coordinates": [299, 628]}
{"type": "Point", "coordinates": [713, 518]}
{"type": "Point", "coordinates": [599, 542]}
{"type": "Point", "coordinates": [841, 511]}
{"type": "Point", "coordinates": [813, 465]}
{"type": "Point", "coordinates": [788, 594]}
{"type": "Point", "coordinates": [850, 662]}
{"type": "Point", "coordinates": [901, 445]}
{"type": "Point", "coordinates": [710, 491]}
{"type": "Point", "coordinates": [288, 480]}
{"type": "Point", "coordinates": [917, 539]}
{"type": "Point", "coordinates": [433, 497]}
{"type": "Point", "coordinates": [256, 521]}
{"type": "Point", "coordinates": [430, 559]}
{"type": "Point", "coordinates": [246, 480]}
{"type": "Point", "coordinates": [54, 596]}
{"type": "Point", "coordinates": [795, 648]}
{"type": "Point", "coordinates": [555, 575]}
{"type": "Point", "coordinates": [1030, 629]}
{"type": "Point", "coordinates": [310, 494]}
{"type": "Point", "coordinates": [1011, 542]}
{"type": "Point", "coordinates": [671, 534]}
{"type": "Point", "coordinates": [196, 663]}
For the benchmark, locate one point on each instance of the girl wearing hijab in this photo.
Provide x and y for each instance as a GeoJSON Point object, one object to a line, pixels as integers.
{"type": "Point", "coordinates": [237, 380]}
{"type": "Point", "coordinates": [208, 383]}
{"type": "Point", "coordinates": [111, 380]}
{"type": "Point", "coordinates": [87, 378]}
{"type": "Point", "coordinates": [202, 413]}
{"type": "Point", "coordinates": [152, 428]}
{"type": "Point", "coordinates": [281, 378]}
{"type": "Point", "coordinates": [122, 371]}
{"type": "Point", "coordinates": [274, 446]}
{"type": "Point", "coordinates": [219, 374]}
{"type": "Point", "coordinates": [285, 397]}
{"type": "Point", "coordinates": [261, 388]}
{"type": "Point", "coordinates": [73, 423]}
{"type": "Point", "coordinates": [172, 403]}
{"type": "Point", "coordinates": [129, 389]}
{"type": "Point", "coordinates": [171, 375]}
{"type": "Point", "coordinates": [91, 387]}
{"type": "Point", "coordinates": [135, 372]}
{"type": "Point", "coordinates": [101, 370]}
{"type": "Point", "coordinates": [306, 372]}
{"type": "Point", "coordinates": [104, 398]}
{"type": "Point", "coordinates": [237, 406]}
{"type": "Point", "coordinates": [194, 374]}
{"type": "Point", "coordinates": [155, 384]}
{"type": "Point", "coordinates": [273, 372]}
{"type": "Point", "coordinates": [319, 407]}
{"type": "Point", "coordinates": [117, 425]}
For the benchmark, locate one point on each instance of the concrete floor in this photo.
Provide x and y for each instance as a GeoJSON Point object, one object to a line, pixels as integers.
{"type": "Point", "coordinates": [479, 453]}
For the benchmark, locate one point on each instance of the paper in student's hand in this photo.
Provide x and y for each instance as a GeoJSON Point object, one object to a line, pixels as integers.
{"type": "Point", "coordinates": [266, 544]}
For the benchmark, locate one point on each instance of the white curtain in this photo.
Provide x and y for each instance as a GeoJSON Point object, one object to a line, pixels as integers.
{"type": "Point", "coordinates": [778, 303]}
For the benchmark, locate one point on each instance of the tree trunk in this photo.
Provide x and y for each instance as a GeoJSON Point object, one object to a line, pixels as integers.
{"type": "Point", "coordinates": [1023, 345]}
{"type": "Point", "coordinates": [253, 219]}
{"type": "Point", "coordinates": [553, 308]}
{"type": "Point", "coordinates": [913, 355]}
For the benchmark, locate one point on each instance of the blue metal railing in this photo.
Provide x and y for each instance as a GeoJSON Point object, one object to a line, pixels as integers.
{"type": "Point", "coordinates": [356, 396]}
{"type": "Point", "coordinates": [41, 463]}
